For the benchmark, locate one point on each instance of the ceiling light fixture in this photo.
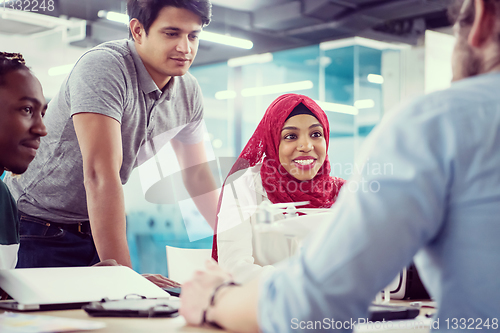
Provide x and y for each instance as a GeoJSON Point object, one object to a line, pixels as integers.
{"type": "Point", "coordinates": [60, 70]}
{"type": "Point", "coordinates": [225, 94]}
{"type": "Point", "coordinates": [352, 41]}
{"type": "Point", "coordinates": [339, 108]}
{"type": "Point", "coordinates": [204, 35]}
{"type": "Point", "coordinates": [364, 104]}
{"type": "Point", "coordinates": [249, 60]}
{"type": "Point", "coordinates": [114, 16]}
{"type": "Point", "coordinates": [375, 78]}
{"type": "Point", "coordinates": [277, 89]}
{"type": "Point", "coordinates": [226, 40]}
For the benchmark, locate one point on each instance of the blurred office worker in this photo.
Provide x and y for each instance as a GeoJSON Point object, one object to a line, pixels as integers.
{"type": "Point", "coordinates": [119, 97]}
{"type": "Point", "coordinates": [440, 204]}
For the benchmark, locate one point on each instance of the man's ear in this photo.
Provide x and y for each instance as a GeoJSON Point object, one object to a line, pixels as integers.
{"type": "Point", "coordinates": [483, 26]}
{"type": "Point", "coordinates": [137, 30]}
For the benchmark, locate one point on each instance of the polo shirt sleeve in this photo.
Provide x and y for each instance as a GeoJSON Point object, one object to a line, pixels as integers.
{"type": "Point", "coordinates": [97, 84]}
{"type": "Point", "coordinates": [193, 132]}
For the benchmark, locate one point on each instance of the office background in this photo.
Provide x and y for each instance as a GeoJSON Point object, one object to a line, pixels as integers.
{"type": "Point", "coordinates": [359, 59]}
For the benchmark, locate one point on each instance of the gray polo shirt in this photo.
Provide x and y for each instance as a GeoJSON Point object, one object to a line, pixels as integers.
{"type": "Point", "coordinates": [109, 79]}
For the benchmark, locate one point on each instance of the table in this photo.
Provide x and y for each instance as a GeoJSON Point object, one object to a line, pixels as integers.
{"type": "Point", "coordinates": [178, 324]}
{"type": "Point", "coordinates": [129, 325]}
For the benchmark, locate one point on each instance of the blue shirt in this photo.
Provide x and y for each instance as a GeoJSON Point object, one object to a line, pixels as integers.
{"type": "Point", "coordinates": [429, 187]}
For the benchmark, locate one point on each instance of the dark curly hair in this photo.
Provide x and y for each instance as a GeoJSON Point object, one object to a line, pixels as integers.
{"type": "Point", "coordinates": [10, 62]}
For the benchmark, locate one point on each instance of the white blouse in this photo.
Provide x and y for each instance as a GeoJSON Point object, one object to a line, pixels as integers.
{"type": "Point", "coordinates": [236, 237]}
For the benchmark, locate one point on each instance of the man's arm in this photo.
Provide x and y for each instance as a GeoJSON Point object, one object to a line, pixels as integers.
{"type": "Point", "coordinates": [198, 178]}
{"type": "Point", "coordinates": [234, 308]}
{"type": "Point", "coordinates": [100, 141]}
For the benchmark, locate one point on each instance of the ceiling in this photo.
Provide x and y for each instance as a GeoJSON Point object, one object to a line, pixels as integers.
{"type": "Point", "coordinates": [272, 25]}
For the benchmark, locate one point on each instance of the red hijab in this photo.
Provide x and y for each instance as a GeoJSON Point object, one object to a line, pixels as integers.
{"type": "Point", "coordinates": [263, 147]}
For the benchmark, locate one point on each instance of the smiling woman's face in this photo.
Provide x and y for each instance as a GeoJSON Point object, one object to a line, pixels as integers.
{"type": "Point", "coordinates": [302, 149]}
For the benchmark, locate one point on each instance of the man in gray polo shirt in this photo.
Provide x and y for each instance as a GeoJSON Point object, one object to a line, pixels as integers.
{"type": "Point", "coordinates": [122, 100]}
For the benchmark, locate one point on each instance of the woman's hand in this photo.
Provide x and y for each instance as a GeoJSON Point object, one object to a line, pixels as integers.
{"type": "Point", "coordinates": [196, 293]}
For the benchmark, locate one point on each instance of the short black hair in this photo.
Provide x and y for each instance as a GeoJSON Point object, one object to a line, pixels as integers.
{"type": "Point", "coordinates": [10, 62]}
{"type": "Point", "coordinates": [146, 11]}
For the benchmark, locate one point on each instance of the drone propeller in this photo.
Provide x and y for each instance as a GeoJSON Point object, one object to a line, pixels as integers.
{"type": "Point", "coordinates": [290, 204]}
{"type": "Point", "coordinates": [289, 210]}
{"type": "Point", "coordinates": [267, 205]}
{"type": "Point", "coordinates": [312, 210]}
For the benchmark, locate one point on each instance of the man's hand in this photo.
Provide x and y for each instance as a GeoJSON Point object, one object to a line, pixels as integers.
{"type": "Point", "coordinates": [161, 281]}
{"type": "Point", "coordinates": [157, 279]}
{"type": "Point", "coordinates": [107, 262]}
{"type": "Point", "coordinates": [195, 296]}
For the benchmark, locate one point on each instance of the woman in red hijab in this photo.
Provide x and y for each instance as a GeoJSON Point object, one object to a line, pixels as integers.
{"type": "Point", "coordinates": [284, 161]}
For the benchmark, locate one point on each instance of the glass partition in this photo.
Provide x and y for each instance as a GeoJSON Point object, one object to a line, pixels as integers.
{"type": "Point", "coordinates": [344, 77]}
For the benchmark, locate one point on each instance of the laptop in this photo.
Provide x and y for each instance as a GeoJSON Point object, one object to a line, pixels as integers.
{"type": "Point", "coordinates": [72, 287]}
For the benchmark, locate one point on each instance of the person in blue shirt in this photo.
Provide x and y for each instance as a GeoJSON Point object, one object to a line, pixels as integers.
{"type": "Point", "coordinates": [439, 204]}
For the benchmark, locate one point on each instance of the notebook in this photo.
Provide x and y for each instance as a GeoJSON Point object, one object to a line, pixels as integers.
{"type": "Point", "coordinates": [71, 287]}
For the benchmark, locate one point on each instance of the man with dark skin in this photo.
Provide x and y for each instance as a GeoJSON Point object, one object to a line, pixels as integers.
{"type": "Point", "coordinates": [122, 101]}
{"type": "Point", "coordinates": [22, 107]}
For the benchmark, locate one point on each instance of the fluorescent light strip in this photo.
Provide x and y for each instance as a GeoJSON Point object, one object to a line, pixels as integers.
{"type": "Point", "coordinates": [277, 89]}
{"type": "Point", "coordinates": [118, 17]}
{"type": "Point", "coordinates": [339, 108]}
{"type": "Point", "coordinates": [226, 94]}
{"type": "Point", "coordinates": [204, 35]}
{"type": "Point", "coordinates": [364, 104]}
{"type": "Point", "coordinates": [374, 44]}
{"type": "Point", "coordinates": [60, 70]}
{"type": "Point", "coordinates": [226, 40]}
{"type": "Point", "coordinates": [114, 16]}
{"type": "Point", "coordinates": [249, 60]}
{"type": "Point", "coordinates": [374, 78]}
{"type": "Point", "coordinates": [34, 18]}
{"type": "Point", "coordinates": [326, 106]}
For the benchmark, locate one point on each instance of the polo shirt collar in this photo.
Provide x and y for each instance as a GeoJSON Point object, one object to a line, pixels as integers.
{"type": "Point", "coordinates": [145, 81]}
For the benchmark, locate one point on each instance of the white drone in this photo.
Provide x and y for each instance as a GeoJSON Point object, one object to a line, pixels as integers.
{"type": "Point", "coordinates": [293, 224]}
{"type": "Point", "coordinates": [267, 210]}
